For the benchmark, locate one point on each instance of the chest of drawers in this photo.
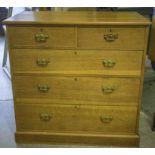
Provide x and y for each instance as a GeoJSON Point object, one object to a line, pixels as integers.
{"type": "Point", "coordinates": [77, 76]}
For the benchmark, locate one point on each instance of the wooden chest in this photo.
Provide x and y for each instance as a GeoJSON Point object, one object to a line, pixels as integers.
{"type": "Point", "coordinates": [77, 76]}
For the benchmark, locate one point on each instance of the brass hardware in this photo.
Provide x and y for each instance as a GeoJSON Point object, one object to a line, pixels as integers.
{"type": "Point", "coordinates": [45, 117]}
{"type": "Point", "coordinates": [43, 88]}
{"type": "Point", "coordinates": [41, 37]}
{"type": "Point", "coordinates": [109, 63]}
{"type": "Point", "coordinates": [106, 119]}
{"type": "Point", "coordinates": [42, 62]}
{"type": "Point", "coordinates": [108, 89]}
{"type": "Point", "coordinates": [110, 37]}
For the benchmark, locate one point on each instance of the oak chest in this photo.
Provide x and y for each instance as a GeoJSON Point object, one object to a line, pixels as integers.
{"type": "Point", "coordinates": [77, 76]}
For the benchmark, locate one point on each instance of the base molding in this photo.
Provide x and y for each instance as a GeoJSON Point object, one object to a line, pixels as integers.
{"type": "Point", "coordinates": [78, 139]}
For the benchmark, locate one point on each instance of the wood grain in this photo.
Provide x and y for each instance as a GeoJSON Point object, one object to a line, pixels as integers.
{"type": "Point", "coordinates": [75, 60]}
{"type": "Point", "coordinates": [78, 139]}
{"type": "Point", "coordinates": [129, 38]}
{"type": "Point", "coordinates": [76, 119]}
{"type": "Point", "coordinates": [72, 102]}
{"type": "Point", "coordinates": [83, 73]}
{"type": "Point", "coordinates": [78, 17]}
{"type": "Point", "coordinates": [76, 47]}
{"type": "Point", "coordinates": [77, 88]}
{"type": "Point", "coordinates": [142, 76]}
{"type": "Point", "coordinates": [59, 37]}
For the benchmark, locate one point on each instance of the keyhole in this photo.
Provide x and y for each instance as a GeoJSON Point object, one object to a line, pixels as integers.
{"type": "Point", "coordinates": [77, 107]}
{"type": "Point", "coordinates": [75, 53]}
{"type": "Point", "coordinates": [110, 30]}
{"type": "Point", "coordinates": [75, 79]}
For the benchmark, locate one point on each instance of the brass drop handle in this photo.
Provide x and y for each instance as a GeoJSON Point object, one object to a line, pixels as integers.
{"type": "Point", "coordinates": [45, 117]}
{"type": "Point", "coordinates": [109, 63]}
{"type": "Point", "coordinates": [106, 119]}
{"type": "Point", "coordinates": [110, 37]}
{"type": "Point", "coordinates": [41, 37]}
{"type": "Point", "coordinates": [43, 88]}
{"type": "Point", "coordinates": [108, 89]}
{"type": "Point", "coordinates": [42, 62]}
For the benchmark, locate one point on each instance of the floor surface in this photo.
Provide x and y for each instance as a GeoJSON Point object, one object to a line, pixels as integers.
{"type": "Point", "coordinates": [7, 122]}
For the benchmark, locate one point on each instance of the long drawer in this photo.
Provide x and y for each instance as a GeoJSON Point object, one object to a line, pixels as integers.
{"type": "Point", "coordinates": [71, 60]}
{"type": "Point", "coordinates": [111, 37]}
{"type": "Point", "coordinates": [67, 118]}
{"type": "Point", "coordinates": [77, 88]}
{"type": "Point", "coordinates": [42, 37]}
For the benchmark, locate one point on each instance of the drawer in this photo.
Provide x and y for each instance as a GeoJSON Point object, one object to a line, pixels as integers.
{"type": "Point", "coordinates": [42, 37]}
{"type": "Point", "coordinates": [111, 38]}
{"type": "Point", "coordinates": [86, 89]}
{"type": "Point", "coordinates": [71, 60]}
{"type": "Point", "coordinates": [68, 118]}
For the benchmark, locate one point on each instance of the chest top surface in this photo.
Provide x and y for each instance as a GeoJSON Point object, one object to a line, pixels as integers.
{"type": "Point", "coordinates": [78, 18]}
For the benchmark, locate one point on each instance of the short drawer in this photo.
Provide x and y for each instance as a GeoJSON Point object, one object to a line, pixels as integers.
{"type": "Point", "coordinates": [67, 118]}
{"type": "Point", "coordinates": [42, 37]}
{"type": "Point", "coordinates": [73, 60]}
{"type": "Point", "coordinates": [112, 38]}
{"type": "Point", "coordinates": [88, 89]}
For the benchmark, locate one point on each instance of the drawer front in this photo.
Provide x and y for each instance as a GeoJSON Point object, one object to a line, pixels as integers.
{"type": "Point", "coordinates": [114, 38]}
{"type": "Point", "coordinates": [42, 37]}
{"type": "Point", "coordinates": [77, 88]}
{"type": "Point", "coordinates": [67, 118]}
{"type": "Point", "coordinates": [71, 60]}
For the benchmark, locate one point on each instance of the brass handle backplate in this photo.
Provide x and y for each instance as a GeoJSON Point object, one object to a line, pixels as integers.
{"type": "Point", "coordinates": [110, 37]}
{"type": "Point", "coordinates": [45, 117]}
{"type": "Point", "coordinates": [41, 37]}
{"type": "Point", "coordinates": [43, 88]}
{"type": "Point", "coordinates": [42, 62]}
{"type": "Point", "coordinates": [108, 89]}
{"type": "Point", "coordinates": [106, 119]}
{"type": "Point", "coordinates": [109, 63]}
